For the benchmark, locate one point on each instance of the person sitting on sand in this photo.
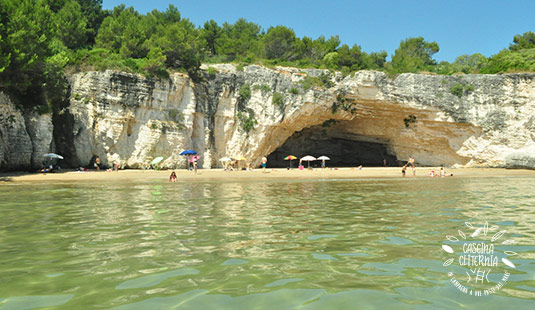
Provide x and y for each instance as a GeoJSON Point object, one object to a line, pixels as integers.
{"type": "Point", "coordinates": [172, 177]}
{"type": "Point", "coordinates": [47, 169]}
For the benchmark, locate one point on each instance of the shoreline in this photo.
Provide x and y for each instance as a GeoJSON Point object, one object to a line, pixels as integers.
{"type": "Point", "coordinates": [256, 174]}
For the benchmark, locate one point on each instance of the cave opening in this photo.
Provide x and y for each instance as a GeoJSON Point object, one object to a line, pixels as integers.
{"type": "Point", "coordinates": [343, 148]}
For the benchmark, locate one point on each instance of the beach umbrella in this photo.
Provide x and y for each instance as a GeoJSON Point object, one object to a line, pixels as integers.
{"type": "Point", "coordinates": [188, 152]}
{"type": "Point", "coordinates": [308, 158]}
{"type": "Point", "coordinates": [225, 160]}
{"type": "Point", "coordinates": [240, 158]}
{"type": "Point", "coordinates": [323, 158]}
{"type": "Point", "coordinates": [290, 158]}
{"type": "Point", "coordinates": [156, 160]}
{"type": "Point", "coordinates": [53, 156]}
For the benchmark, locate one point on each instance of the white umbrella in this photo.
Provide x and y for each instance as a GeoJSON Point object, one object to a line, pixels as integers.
{"type": "Point", "coordinates": [323, 158]}
{"type": "Point", "coordinates": [156, 160]}
{"type": "Point", "coordinates": [225, 159]}
{"type": "Point", "coordinates": [52, 155]}
{"type": "Point", "coordinates": [308, 158]}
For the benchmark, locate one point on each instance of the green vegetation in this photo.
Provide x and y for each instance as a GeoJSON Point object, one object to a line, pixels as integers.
{"type": "Point", "coordinates": [414, 55]}
{"type": "Point", "coordinates": [460, 89]}
{"type": "Point", "coordinates": [329, 123]}
{"type": "Point", "coordinates": [294, 91]}
{"type": "Point", "coordinates": [244, 93]}
{"type": "Point", "coordinates": [322, 81]}
{"type": "Point", "coordinates": [247, 120]}
{"type": "Point", "coordinates": [278, 99]}
{"type": "Point", "coordinates": [40, 40]}
{"type": "Point", "coordinates": [7, 120]}
{"type": "Point", "coordinates": [411, 119]}
{"type": "Point", "coordinates": [175, 116]}
{"type": "Point", "coordinates": [211, 72]}
{"type": "Point", "coordinates": [343, 103]}
{"type": "Point", "coordinates": [264, 88]}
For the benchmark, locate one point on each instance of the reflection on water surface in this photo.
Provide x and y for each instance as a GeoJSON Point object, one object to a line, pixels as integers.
{"type": "Point", "coordinates": [255, 244]}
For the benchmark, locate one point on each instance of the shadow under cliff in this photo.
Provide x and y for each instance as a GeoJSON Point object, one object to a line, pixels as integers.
{"type": "Point", "coordinates": [63, 133]}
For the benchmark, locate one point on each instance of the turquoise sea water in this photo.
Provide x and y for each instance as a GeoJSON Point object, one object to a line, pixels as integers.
{"type": "Point", "coordinates": [299, 244]}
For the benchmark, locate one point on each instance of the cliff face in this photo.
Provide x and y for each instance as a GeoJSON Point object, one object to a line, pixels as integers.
{"type": "Point", "coordinates": [24, 138]}
{"type": "Point", "coordinates": [474, 120]}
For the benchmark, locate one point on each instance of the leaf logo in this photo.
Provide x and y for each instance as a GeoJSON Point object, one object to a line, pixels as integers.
{"type": "Point", "coordinates": [476, 254]}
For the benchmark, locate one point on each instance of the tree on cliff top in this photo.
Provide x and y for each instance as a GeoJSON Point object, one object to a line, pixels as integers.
{"type": "Point", "coordinates": [279, 43]}
{"type": "Point", "coordinates": [240, 39]}
{"type": "Point", "coordinates": [413, 55]}
{"type": "Point", "coordinates": [521, 42]}
{"type": "Point", "coordinates": [26, 29]}
{"type": "Point", "coordinates": [211, 33]}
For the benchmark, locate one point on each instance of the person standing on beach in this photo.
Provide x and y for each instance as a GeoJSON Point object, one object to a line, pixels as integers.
{"type": "Point", "coordinates": [195, 165]}
{"type": "Point", "coordinates": [411, 164]}
{"type": "Point", "coordinates": [97, 163]}
{"type": "Point", "coordinates": [323, 164]}
{"type": "Point", "coordinates": [403, 170]}
{"type": "Point", "coordinates": [264, 163]}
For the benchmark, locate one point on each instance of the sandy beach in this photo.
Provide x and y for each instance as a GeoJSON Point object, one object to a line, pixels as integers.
{"type": "Point", "coordinates": [219, 174]}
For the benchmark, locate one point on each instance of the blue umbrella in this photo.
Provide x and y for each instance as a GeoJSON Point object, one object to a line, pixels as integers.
{"type": "Point", "coordinates": [189, 152]}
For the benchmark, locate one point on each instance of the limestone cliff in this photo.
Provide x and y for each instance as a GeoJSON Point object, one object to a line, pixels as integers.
{"type": "Point", "coordinates": [474, 120]}
{"type": "Point", "coordinates": [24, 138]}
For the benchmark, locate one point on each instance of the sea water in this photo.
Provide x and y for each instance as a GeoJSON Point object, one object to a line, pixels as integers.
{"type": "Point", "coordinates": [257, 244]}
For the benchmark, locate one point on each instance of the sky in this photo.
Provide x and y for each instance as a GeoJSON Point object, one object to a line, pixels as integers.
{"type": "Point", "coordinates": [458, 26]}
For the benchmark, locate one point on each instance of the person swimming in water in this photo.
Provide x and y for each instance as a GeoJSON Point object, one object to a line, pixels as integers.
{"type": "Point", "coordinates": [172, 177]}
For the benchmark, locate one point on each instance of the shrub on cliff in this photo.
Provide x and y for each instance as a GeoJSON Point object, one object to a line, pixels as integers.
{"type": "Point", "coordinates": [460, 89]}
{"type": "Point", "coordinates": [245, 93]}
{"type": "Point", "coordinates": [278, 99]}
{"type": "Point", "coordinates": [323, 80]}
{"type": "Point", "coordinates": [511, 61]}
{"type": "Point", "coordinates": [247, 120]}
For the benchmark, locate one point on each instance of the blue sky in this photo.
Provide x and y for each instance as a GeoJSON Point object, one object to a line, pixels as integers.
{"type": "Point", "coordinates": [459, 27]}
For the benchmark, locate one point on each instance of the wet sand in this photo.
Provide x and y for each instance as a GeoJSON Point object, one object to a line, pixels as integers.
{"type": "Point", "coordinates": [219, 174]}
